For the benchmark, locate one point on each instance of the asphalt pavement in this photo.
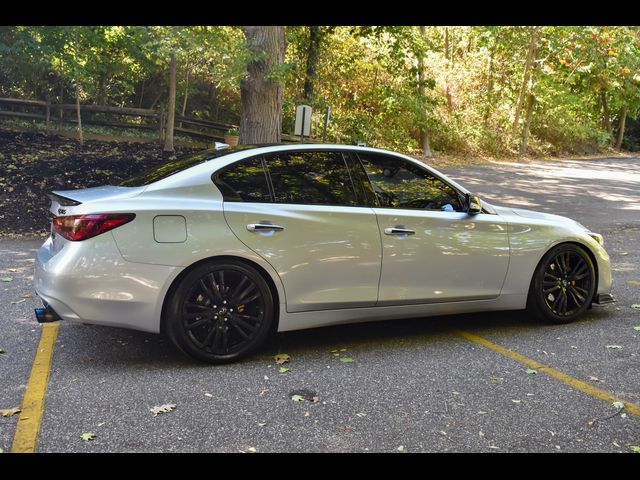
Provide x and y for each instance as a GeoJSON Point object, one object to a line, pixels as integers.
{"type": "Point", "coordinates": [412, 385]}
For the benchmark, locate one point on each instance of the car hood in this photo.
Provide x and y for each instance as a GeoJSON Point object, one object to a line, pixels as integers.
{"type": "Point", "coordinates": [512, 214]}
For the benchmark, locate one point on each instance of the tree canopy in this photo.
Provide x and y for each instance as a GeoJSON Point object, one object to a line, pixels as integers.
{"type": "Point", "coordinates": [480, 90]}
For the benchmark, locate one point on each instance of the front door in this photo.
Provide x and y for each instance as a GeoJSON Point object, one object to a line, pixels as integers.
{"type": "Point", "coordinates": [432, 251]}
{"type": "Point", "coordinates": [307, 224]}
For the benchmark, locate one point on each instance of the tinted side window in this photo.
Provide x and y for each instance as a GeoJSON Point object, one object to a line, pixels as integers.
{"type": "Point", "coordinates": [401, 184]}
{"type": "Point", "coordinates": [245, 181]}
{"type": "Point", "coordinates": [312, 178]}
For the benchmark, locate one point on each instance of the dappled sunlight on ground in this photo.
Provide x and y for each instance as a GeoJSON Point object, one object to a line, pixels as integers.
{"type": "Point", "coordinates": [589, 185]}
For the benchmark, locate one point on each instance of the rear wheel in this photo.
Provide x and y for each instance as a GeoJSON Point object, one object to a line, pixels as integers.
{"type": "Point", "coordinates": [220, 312]}
{"type": "Point", "coordinates": [563, 284]}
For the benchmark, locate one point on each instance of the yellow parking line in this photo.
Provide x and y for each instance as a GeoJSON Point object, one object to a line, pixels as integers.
{"type": "Point", "coordinates": [26, 436]}
{"type": "Point", "coordinates": [552, 372]}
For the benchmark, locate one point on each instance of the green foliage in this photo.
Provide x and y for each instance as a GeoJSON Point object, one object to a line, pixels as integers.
{"type": "Point", "coordinates": [465, 96]}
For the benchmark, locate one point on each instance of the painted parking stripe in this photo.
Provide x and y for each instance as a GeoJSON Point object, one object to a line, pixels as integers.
{"type": "Point", "coordinates": [552, 372]}
{"type": "Point", "coordinates": [26, 436]}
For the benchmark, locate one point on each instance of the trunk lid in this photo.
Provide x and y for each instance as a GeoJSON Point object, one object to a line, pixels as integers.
{"type": "Point", "coordinates": [63, 200]}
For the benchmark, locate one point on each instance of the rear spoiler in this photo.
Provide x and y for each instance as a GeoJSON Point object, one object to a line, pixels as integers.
{"type": "Point", "coordinates": [62, 201]}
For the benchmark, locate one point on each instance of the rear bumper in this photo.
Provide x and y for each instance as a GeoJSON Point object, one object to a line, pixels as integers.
{"type": "Point", "coordinates": [603, 298]}
{"type": "Point", "coordinates": [90, 282]}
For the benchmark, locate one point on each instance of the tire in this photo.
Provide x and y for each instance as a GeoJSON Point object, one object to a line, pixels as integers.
{"type": "Point", "coordinates": [220, 312]}
{"type": "Point", "coordinates": [563, 285]}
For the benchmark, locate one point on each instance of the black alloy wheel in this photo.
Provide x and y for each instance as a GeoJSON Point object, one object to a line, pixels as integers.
{"type": "Point", "coordinates": [563, 285]}
{"type": "Point", "coordinates": [220, 312]}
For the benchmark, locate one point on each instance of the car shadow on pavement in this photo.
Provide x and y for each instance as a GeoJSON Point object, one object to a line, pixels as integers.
{"type": "Point", "coordinates": [110, 346]}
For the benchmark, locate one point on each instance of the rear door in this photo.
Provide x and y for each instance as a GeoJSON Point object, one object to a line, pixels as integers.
{"type": "Point", "coordinates": [300, 212]}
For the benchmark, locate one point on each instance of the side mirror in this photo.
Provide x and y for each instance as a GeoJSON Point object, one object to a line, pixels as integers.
{"type": "Point", "coordinates": [472, 204]}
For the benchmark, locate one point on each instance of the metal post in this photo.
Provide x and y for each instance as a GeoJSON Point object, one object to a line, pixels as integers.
{"type": "Point", "coordinates": [302, 129]}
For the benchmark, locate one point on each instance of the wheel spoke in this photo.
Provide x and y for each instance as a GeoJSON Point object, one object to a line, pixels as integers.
{"type": "Point", "coordinates": [576, 301]}
{"type": "Point", "coordinates": [209, 336]}
{"type": "Point", "coordinates": [577, 293]}
{"type": "Point", "coordinates": [242, 333]}
{"type": "Point", "coordinates": [211, 294]}
{"type": "Point", "coordinates": [192, 315]}
{"type": "Point", "coordinates": [198, 323]}
{"type": "Point", "coordinates": [551, 290]}
{"type": "Point", "coordinates": [197, 305]}
{"type": "Point", "coordinates": [237, 289]}
{"type": "Point", "coordinates": [215, 288]}
{"type": "Point", "coordinates": [546, 274]}
{"type": "Point", "coordinates": [244, 324]}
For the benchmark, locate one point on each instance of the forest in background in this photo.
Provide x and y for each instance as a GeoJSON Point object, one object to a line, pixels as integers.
{"type": "Point", "coordinates": [477, 90]}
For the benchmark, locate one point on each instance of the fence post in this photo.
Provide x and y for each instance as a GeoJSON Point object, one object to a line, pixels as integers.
{"type": "Point", "coordinates": [161, 126]}
{"type": "Point", "coordinates": [60, 115]}
{"type": "Point", "coordinates": [47, 115]}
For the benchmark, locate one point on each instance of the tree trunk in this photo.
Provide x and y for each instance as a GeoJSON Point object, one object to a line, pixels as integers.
{"type": "Point", "coordinates": [606, 115]}
{"type": "Point", "coordinates": [524, 144]}
{"type": "Point", "coordinates": [186, 95]}
{"type": "Point", "coordinates": [621, 125]}
{"type": "Point", "coordinates": [171, 109]}
{"type": "Point", "coordinates": [313, 55]}
{"type": "Point", "coordinates": [80, 137]}
{"type": "Point", "coordinates": [533, 40]}
{"type": "Point", "coordinates": [488, 106]}
{"type": "Point", "coordinates": [422, 91]}
{"type": "Point", "coordinates": [261, 119]}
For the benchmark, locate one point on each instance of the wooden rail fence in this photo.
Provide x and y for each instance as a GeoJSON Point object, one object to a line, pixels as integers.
{"type": "Point", "coordinates": [100, 115]}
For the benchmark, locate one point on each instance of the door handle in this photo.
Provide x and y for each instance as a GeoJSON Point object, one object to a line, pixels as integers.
{"type": "Point", "coordinates": [264, 227]}
{"type": "Point", "coordinates": [398, 231]}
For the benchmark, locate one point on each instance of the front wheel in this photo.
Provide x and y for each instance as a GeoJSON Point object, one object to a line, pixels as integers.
{"type": "Point", "coordinates": [220, 312]}
{"type": "Point", "coordinates": [563, 284]}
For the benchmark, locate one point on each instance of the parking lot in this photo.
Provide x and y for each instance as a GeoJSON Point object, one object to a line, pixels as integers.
{"type": "Point", "coordinates": [494, 382]}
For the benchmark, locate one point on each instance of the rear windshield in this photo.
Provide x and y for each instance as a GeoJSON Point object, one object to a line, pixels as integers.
{"type": "Point", "coordinates": [174, 166]}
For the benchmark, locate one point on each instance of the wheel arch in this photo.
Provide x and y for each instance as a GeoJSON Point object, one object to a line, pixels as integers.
{"type": "Point", "coordinates": [259, 268]}
{"type": "Point", "coordinates": [584, 246]}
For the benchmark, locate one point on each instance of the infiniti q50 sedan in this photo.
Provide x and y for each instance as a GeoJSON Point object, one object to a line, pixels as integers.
{"type": "Point", "coordinates": [221, 248]}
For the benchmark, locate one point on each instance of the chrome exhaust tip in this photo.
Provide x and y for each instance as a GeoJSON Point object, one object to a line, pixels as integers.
{"type": "Point", "coordinates": [46, 315]}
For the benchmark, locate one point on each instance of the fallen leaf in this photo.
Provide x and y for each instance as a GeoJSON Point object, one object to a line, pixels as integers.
{"type": "Point", "coordinates": [361, 414]}
{"type": "Point", "coordinates": [88, 436]}
{"type": "Point", "coordinates": [494, 447]}
{"type": "Point", "coordinates": [336, 354]}
{"type": "Point", "coordinates": [297, 398]}
{"type": "Point", "coordinates": [333, 351]}
{"type": "Point", "coordinates": [1, 450]}
{"type": "Point", "coordinates": [284, 370]}
{"type": "Point", "coordinates": [618, 405]}
{"type": "Point", "coordinates": [615, 444]}
{"type": "Point", "coordinates": [315, 399]}
{"type": "Point", "coordinates": [27, 295]}
{"type": "Point", "coordinates": [10, 411]}
{"type": "Point", "coordinates": [207, 394]}
{"type": "Point", "coordinates": [346, 360]}
{"type": "Point", "coordinates": [635, 305]}
{"type": "Point", "coordinates": [19, 301]}
{"type": "Point", "coordinates": [6, 279]}
{"type": "Point", "coordinates": [401, 448]}
{"type": "Point", "coordinates": [635, 448]}
{"type": "Point", "coordinates": [634, 282]}
{"type": "Point", "coordinates": [306, 414]}
{"type": "Point", "coordinates": [516, 401]}
{"type": "Point", "coordinates": [530, 371]}
{"type": "Point", "coordinates": [13, 270]}
{"type": "Point", "coordinates": [249, 450]}
{"type": "Point", "coordinates": [481, 433]}
{"type": "Point", "coordinates": [263, 392]}
{"type": "Point", "coordinates": [637, 328]}
{"type": "Point", "coordinates": [262, 424]}
{"type": "Point", "coordinates": [482, 413]}
{"type": "Point", "coordinates": [2, 351]}
{"type": "Point", "coordinates": [101, 424]}
{"type": "Point", "coordinates": [624, 254]}
{"type": "Point", "coordinates": [594, 379]}
{"type": "Point", "coordinates": [614, 347]}
{"type": "Point", "coordinates": [166, 408]}
{"type": "Point", "coordinates": [281, 358]}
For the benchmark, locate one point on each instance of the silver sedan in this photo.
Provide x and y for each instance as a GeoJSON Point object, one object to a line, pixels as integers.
{"type": "Point", "coordinates": [221, 248]}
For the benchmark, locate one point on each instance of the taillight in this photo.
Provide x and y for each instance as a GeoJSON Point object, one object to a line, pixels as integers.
{"type": "Point", "coordinates": [81, 227]}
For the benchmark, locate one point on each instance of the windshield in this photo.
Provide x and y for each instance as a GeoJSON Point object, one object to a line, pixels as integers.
{"type": "Point", "coordinates": [174, 166]}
